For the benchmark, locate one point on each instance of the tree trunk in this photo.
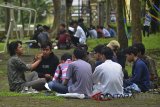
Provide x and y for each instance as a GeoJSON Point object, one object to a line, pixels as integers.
{"type": "Point", "coordinates": [68, 10]}
{"type": "Point", "coordinates": [22, 21]}
{"type": "Point", "coordinates": [122, 37]}
{"type": "Point", "coordinates": [7, 17]}
{"type": "Point", "coordinates": [56, 22]}
{"type": "Point", "coordinates": [136, 21]}
{"type": "Point", "coordinates": [108, 11]}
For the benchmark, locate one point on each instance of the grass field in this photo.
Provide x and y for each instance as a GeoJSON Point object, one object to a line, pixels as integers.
{"type": "Point", "coordinates": [10, 99]}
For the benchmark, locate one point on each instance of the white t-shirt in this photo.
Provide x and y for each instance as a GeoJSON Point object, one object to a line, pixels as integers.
{"type": "Point", "coordinates": [81, 35]}
{"type": "Point", "coordinates": [93, 33]}
{"type": "Point", "coordinates": [106, 33]}
{"type": "Point", "coordinates": [147, 21]}
{"type": "Point", "coordinates": [108, 78]}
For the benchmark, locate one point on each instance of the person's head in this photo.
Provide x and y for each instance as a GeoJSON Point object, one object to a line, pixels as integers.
{"type": "Point", "coordinates": [66, 56]}
{"type": "Point", "coordinates": [114, 45]}
{"type": "Point", "coordinates": [98, 52]}
{"type": "Point", "coordinates": [80, 20]}
{"type": "Point", "coordinates": [101, 27]}
{"type": "Point", "coordinates": [141, 48]}
{"type": "Point", "coordinates": [40, 29]}
{"type": "Point", "coordinates": [75, 24]}
{"type": "Point", "coordinates": [131, 53]}
{"type": "Point", "coordinates": [93, 27]}
{"type": "Point", "coordinates": [107, 53]}
{"type": "Point", "coordinates": [62, 26]}
{"type": "Point", "coordinates": [15, 48]}
{"type": "Point", "coordinates": [78, 54]}
{"type": "Point", "coordinates": [46, 28]}
{"type": "Point", "coordinates": [46, 49]}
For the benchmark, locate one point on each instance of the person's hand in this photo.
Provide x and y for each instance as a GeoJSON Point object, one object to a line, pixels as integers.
{"type": "Point", "coordinates": [38, 57]}
{"type": "Point", "coordinates": [48, 77]}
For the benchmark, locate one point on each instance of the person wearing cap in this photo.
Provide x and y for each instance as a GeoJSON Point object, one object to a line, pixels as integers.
{"type": "Point", "coordinates": [114, 46]}
{"type": "Point", "coordinates": [118, 55]}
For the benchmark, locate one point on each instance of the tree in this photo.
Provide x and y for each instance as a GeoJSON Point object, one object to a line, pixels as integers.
{"type": "Point", "coordinates": [68, 8]}
{"type": "Point", "coordinates": [56, 22]}
{"type": "Point", "coordinates": [61, 15]}
{"type": "Point", "coordinates": [7, 17]}
{"type": "Point", "coordinates": [108, 11]}
{"type": "Point", "coordinates": [122, 37]}
{"type": "Point", "coordinates": [136, 21]}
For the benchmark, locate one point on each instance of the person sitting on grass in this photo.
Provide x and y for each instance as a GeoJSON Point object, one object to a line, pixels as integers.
{"type": "Point", "coordinates": [48, 64]}
{"type": "Point", "coordinates": [16, 69]}
{"type": "Point", "coordinates": [60, 75]}
{"type": "Point", "coordinates": [80, 74]}
{"type": "Point", "coordinates": [140, 73]}
{"type": "Point", "coordinates": [108, 77]}
{"type": "Point", "coordinates": [87, 56]}
{"type": "Point", "coordinates": [64, 40]}
{"type": "Point", "coordinates": [151, 64]}
{"type": "Point", "coordinates": [98, 54]}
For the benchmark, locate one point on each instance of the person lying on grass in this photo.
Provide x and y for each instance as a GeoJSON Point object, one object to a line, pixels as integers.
{"type": "Point", "coordinates": [16, 69]}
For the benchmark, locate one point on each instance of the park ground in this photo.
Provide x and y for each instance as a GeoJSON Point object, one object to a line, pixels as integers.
{"type": "Point", "coordinates": [10, 99]}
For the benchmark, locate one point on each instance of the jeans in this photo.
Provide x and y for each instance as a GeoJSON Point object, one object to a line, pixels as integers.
{"type": "Point", "coordinates": [58, 87]}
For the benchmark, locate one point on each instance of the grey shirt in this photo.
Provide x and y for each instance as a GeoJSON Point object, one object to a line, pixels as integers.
{"type": "Point", "coordinates": [80, 73]}
{"type": "Point", "coordinates": [16, 68]}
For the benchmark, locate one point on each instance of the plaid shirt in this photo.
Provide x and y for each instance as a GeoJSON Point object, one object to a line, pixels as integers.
{"type": "Point", "coordinates": [63, 67]}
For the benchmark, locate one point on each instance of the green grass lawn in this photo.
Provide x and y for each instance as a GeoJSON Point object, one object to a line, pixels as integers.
{"type": "Point", "coordinates": [152, 42]}
{"type": "Point", "coordinates": [10, 99]}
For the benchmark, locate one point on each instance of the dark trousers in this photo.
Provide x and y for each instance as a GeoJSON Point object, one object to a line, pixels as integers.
{"type": "Point", "coordinates": [146, 29]}
{"type": "Point", "coordinates": [33, 81]}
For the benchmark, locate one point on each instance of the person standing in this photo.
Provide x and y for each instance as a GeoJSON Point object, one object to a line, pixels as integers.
{"type": "Point", "coordinates": [146, 25]}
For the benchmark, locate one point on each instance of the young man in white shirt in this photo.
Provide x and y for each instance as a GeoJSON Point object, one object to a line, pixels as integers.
{"type": "Point", "coordinates": [108, 77]}
{"type": "Point", "coordinates": [79, 33]}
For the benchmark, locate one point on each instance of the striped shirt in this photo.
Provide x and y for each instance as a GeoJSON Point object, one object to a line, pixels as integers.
{"type": "Point", "coordinates": [62, 67]}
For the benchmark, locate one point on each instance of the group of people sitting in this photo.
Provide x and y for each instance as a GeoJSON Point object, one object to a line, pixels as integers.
{"type": "Point", "coordinates": [79, 73]}
{"type": "Point", "coordinates": [76, 33]}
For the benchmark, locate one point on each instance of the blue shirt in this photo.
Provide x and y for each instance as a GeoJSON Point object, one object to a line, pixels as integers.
{"type": "Point", "coordinates": [140, 75]}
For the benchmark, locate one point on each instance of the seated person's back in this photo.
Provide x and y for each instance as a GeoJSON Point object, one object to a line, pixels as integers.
{"type": "Point", "coordinates": [80, 73]}
{"type": "Point", "coordinates": [108, 77]}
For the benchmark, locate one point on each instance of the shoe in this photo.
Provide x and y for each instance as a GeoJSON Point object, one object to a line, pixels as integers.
{"type": "Point", "coordinates": [33, 90]}
{"type": "Point", "coordinates": [25, 91]}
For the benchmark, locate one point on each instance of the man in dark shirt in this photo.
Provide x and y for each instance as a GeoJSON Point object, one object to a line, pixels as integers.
{"type": "Point", "coordinates": [140, 73]}
{"type": "Point", "coordinates": [48, 65]}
